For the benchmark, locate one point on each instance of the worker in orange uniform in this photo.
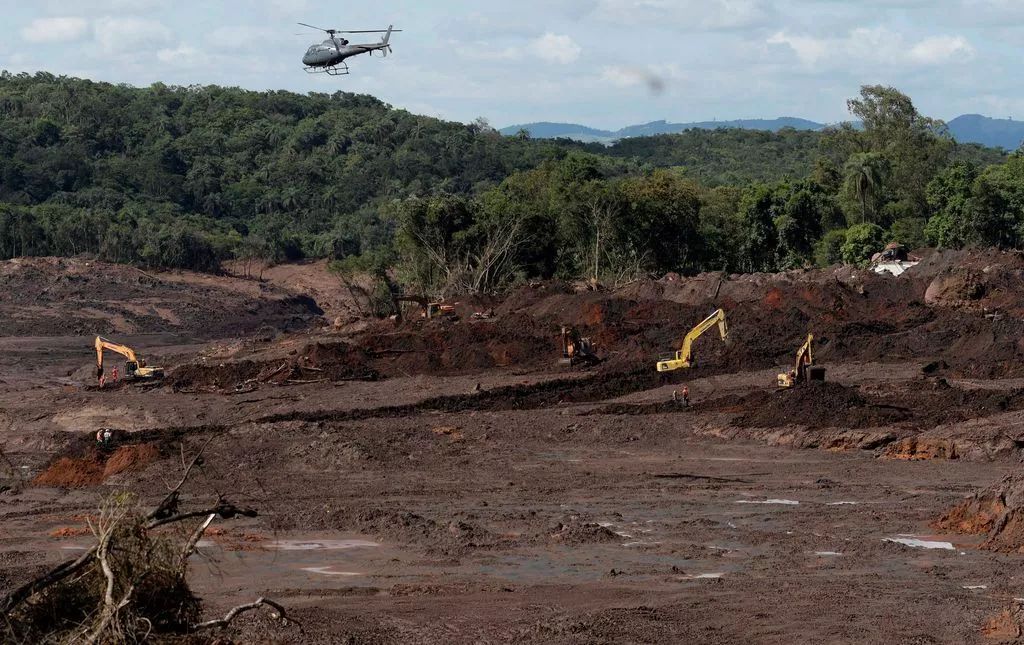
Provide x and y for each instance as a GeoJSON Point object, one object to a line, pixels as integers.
{"type": "Point", "coordinates": [113, 375]}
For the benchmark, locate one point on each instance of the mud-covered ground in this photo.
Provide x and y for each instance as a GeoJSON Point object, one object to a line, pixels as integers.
{"type": "Point", "coordinates": [448, 482]}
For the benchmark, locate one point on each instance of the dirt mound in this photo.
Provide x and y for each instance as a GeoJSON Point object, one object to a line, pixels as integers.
{"type": "Point", "coordinates": [997, 512]}
{"type": "Point", "coordinates": [579, 532]}
{"type": "Point", "coordinates": [816, 405]}
{"type": "Point", "coordinates": [71, 296]}
{"type": "Point", "coordinates": [130, 459]}
{"type": "Point", "coordinates": [95, 464]}
{"type": "Point", "coordinates": [316, 362]}
{"type": "Point", "coordinates": [73, 472]}
{"type": "Point", "coordinates": [450, 347]}
{"type": "Point", "coordinates": [955, 289]}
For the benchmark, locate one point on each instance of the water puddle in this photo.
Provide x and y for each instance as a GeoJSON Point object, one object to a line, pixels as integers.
{"type": "Point", "coordinates": [827, 554]}
{"type": "Point", "coordinates": [922, 544]}
{"type": "Point", "coordinates": [326, 571]}
{"type": "Point", "coordinates": [842, 504]}
{"type": "Point", "coordinates": [319, 545]}
{"type": "Point", "coordinates": [774, 502]}
{"type": "Point", "coordinates": [704, 576]}
{"type": "Point", "coordinates": [975, 587]}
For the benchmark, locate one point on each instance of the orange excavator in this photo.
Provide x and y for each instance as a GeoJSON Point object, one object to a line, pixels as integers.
{"type": "Point", "coordinates": [134, 367]}
{"type": "Point", "coordinates": [577, 349]}
{"type": "Point", "coordinates": [805, 370]}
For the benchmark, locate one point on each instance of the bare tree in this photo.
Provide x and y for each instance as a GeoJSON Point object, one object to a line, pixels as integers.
{"type": "Point", "coordinates": [131, 583]}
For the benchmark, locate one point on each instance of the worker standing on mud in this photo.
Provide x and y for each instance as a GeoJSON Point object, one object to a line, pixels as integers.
{"type": "Point", "coordinates": [113, 375]}
{"type": "Point", "coordinates": [683, 395]}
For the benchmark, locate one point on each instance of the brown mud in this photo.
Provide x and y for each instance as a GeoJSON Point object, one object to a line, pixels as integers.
{"type": "Point", "coordinates": [446, 481]}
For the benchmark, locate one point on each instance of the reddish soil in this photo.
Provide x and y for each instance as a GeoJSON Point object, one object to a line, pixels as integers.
{"type": "Point", "coordinates": [446, 481]}
{"type": "Point", "coordinates": [94, 465]}
{"type": "Point", "coordinates": [997, 513]}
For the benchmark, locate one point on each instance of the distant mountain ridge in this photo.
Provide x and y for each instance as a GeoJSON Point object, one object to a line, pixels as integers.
{"type": "Point", "coordinates": [548, 130]}
{"type": "Point", "coordinates": [997, 133]}
{"type": "Point", "coordinates": [969, 128]}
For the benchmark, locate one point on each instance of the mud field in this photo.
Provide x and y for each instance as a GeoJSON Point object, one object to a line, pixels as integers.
{"type": "Point", "coordinates": [447, 481]}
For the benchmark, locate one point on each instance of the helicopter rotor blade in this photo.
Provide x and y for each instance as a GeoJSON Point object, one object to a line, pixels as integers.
{"type": "Point", "coordinates": [312, 27]}
{"type": "Point", "coordinates": [370, 31]}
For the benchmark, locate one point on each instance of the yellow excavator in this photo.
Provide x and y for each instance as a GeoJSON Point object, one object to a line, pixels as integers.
{"type": "Point", "coordinates": [683, 359]}
{"type": "Point", "coordinates": [804, 370]}
{"type": "Point", "coordinates": [134, 367]}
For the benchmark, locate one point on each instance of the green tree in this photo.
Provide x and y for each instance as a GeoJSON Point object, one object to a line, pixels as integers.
{"type": "Point", "coordinates": [759, 208]}
{"type": "Point", "coordinates": [829, 249]}
{"type": "Point", "coordinates": [862, 241]}
{"type": "Point", "coordinates": [866, 174]}
{"type": "Point", "coordinates": [916, 147]}
{"type": "Point", "coordinates": [949, 197]}
{"type": "Point", "coordinates": [997, 204]}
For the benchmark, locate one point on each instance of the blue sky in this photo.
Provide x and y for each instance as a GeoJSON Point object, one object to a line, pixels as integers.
{"type": "Point", "coordinates": [606, 63]}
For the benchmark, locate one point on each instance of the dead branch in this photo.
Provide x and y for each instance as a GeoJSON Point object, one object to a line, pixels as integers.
{"type": "Point", "coordinates": [169, 505]}
{"type": "Point", "coordinates": [108, 616]}
{"type": "Point", "coordinates": [58, 573]}
{"type": "Point", "coordinates": [224, 509]}
{"type": "Point", "coordinates": [193, 540]}
{"type": "Point", "coordinates": [278, 614]}
{"type": "Point", "coordinates": [165, 513]}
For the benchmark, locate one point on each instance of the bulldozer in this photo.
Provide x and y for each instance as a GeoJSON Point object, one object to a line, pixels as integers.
{"type": "Point", "coordinates": [805, 370]}
{"type": "Point", "coordinates": [134, 367]}
{"type": "Point", "coordinates": [683, 359]}
{"type": "Point", "coordinates": [577, 349]}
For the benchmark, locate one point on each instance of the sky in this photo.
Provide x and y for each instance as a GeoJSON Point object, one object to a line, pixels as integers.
{"type": "Point", "coordinates": [603, 63]}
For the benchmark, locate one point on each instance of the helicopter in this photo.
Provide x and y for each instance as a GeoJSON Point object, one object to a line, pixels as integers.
{"type": "Point", "coordinates": [329, 56]}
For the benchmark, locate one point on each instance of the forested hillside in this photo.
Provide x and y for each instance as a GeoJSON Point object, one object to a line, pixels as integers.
{"type": "Point", "coordinates": [183, 176]}
{"type": "Point", "coordinates": [188, 177]}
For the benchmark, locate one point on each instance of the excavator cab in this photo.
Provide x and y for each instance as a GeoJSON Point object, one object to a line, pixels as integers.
{"type": "Point", "coordinates": [683, 359]}
{"type": "Point", "coordinates": [805, 370]}
{"type": "Point", "coordinates": [577, 349]}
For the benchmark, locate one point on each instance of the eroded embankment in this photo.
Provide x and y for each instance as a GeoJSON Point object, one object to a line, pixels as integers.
{"type": "Point", "coordinates": [997, 513]}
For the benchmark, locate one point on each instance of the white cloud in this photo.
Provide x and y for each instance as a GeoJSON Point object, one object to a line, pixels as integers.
{"type": "Point", "coordinates": [556, 48]}
{"type": "Point", "coordinates": [876, 46]}
{"type": "Point", "coordinates": [93, 7]}
{"type": "Point", "coordinates": [182, 56]}
{"type": "Point", "coordinates": [686, 14]}
{"type": "Point", "coordinates": [940, 49]}
{"type": "Point", "coordinates": [52, 30]}
{"type": "Point", "coordinates": [809, 50]}
{"type": "Point", "coordinates": [655, 77]}
{"type": "Point", "coordinates": [118, 34]}
{"type": "Point", "coordinates": [234, 37]}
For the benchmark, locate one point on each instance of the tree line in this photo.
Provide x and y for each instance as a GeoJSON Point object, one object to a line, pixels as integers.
{"type": "Point", "coordinates": [187, 177]}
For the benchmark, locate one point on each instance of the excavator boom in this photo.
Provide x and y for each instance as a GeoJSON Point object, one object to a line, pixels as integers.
{"type": "Point", "coordinates": [683, 359]}
{"type": "Point", "coordinates": [133, 366]}
{"type": "Point", "coordinates": [804, 369]}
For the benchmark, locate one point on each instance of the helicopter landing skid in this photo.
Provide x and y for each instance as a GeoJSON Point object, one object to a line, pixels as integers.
{"type": "Point", "coordinates": [334, 70]}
